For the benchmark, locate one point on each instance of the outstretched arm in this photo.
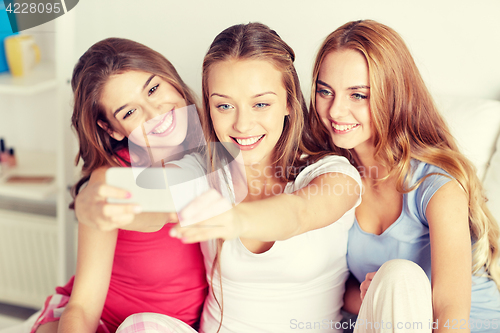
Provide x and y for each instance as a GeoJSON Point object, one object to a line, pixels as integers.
{"type": "Point", "coordinates": [94, 263]}
{"type": "Point", "coordinates": [92, 208]}
{"type": "Point", "coordinates": [324, 200]}
{"type": "Point", "coordinates": [447, 214]}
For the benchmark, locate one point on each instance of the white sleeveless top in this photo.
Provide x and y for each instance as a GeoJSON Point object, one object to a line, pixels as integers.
{"type": "Point", "coordinates": [297, 284]}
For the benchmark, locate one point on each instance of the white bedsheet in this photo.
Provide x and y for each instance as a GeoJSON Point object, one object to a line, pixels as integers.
{"type": "Point", "coordinates": [23, 327]}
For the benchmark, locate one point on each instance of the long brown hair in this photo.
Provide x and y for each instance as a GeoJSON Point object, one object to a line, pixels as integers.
{"type": "Point", "coordinates": [407, 125]}
{"type": "Point", "coordinates": [102, 60]}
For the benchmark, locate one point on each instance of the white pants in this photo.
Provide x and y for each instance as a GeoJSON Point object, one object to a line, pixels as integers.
{"type": "Point", "coordinates": [399, 299]}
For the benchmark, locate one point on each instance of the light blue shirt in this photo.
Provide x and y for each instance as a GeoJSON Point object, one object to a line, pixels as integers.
{"type": "Point", "coordinates": [408, 238]}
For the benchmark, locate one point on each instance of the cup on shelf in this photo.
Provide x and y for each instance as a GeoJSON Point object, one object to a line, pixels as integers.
{"type": "Point", "coordinates": [22, 54]}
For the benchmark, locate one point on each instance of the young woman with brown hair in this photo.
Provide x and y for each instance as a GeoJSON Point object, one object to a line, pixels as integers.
{"type": "Point", "coordinates": [422, 200]}
{"type": "Point", "coordinates": [122, 87]}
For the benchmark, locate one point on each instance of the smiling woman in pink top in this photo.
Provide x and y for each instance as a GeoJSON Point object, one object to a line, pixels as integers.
{"type": "Point", "coordinates": [119, 86]}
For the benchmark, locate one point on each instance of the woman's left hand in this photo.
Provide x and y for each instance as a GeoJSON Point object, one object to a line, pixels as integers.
{"type": "Point", "coordinates": [366, 283]}
{"type": "Point", "coordinates": [209, 216]}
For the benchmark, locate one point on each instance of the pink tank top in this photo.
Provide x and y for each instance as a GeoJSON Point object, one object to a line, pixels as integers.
{"type": "Point", "coordinates": [153, 272]}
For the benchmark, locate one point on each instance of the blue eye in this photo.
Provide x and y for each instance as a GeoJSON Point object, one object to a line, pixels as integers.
{"type": "Point", "coordinates": [261, 105]}
{"type": "Point", "coordinates": [359, 96]}
{"type": "Point", "coordinates": [224, 107]}
{"type": "Point", "coordinates": [324, 92]}
{"type": "Point", "coordinates": [129, 113]}
{"type": "Point", "coordinates": [152, 90]}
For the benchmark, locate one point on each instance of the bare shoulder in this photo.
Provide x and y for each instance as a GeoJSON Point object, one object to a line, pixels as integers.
{"type": "Point", "coordinates": [451, 191]}
{"type": "Point", "coordinates": [449, 202]}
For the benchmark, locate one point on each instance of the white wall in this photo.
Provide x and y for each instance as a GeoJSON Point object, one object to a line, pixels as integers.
{"type": "Point", "coordinates": [455, 43]}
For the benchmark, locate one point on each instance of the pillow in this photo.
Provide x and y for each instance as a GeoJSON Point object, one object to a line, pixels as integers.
{"type": "Point", "coordinates": [475, 124]}
{"type": "Point", "coordinates": [492, 183]}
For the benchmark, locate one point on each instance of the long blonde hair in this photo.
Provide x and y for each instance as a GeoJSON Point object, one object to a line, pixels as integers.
{"type": "Point", "coordinates": [407, 125]}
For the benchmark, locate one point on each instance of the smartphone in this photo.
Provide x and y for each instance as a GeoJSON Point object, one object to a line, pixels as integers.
{"type": "Point", "coordinates": [157, 189]}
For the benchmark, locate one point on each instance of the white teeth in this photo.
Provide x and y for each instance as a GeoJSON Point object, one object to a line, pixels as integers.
{"type": "Point", "coordinates": [166, 124]}
{"type": "Point", "coordinates": [343, 127]}
{"type": "Point", "coordinates": [247, 142]}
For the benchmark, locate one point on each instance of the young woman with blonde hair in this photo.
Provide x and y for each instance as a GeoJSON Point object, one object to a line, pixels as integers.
{"type": "Point", "coordinates": [422, 200]}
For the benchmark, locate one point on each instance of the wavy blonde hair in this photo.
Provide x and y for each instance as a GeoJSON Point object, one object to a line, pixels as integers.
{"type": "Point", "coordinates": [407, 125]}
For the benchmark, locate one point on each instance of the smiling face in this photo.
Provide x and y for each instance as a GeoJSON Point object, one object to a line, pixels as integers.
{"type": "Point", "coordinates": [138, 103]}
{"type": "Point", "coordinates": [248, 105]}
{"type": "Point", "coordinates": [343, 99]}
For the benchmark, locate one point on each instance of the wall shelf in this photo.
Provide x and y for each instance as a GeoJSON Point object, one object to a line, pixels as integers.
{"type": "Point", "coordinates": [25, 207]}
{"type": "Point", "coordinates": [41, 78]}
{"type": "Point", "coordinates": [31, 192]}
{"type": "Point", "coordinates": [31, 163]}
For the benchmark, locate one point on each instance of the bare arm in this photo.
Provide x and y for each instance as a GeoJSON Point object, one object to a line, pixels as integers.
{"type": "Point", "coordinates": [95, 260]}
{"type": "Point", "coordinates": [447, 213]}
{"type": "Point", "coordinates": [92, 208]}
{"type": "Point", "coordinates": [312, 207]}
{"type": "Point", "coordinates": [323, 201]}
{"type": "Point", "coordinates": [352, 297]}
